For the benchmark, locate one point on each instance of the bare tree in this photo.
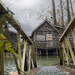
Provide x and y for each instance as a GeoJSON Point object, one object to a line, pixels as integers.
{"type": "Point", "coordinates": [68, 11]}
{"type": "Point", "coordinates": [71, 8]}
{"type": "Point", "coordinates": [62, 21]}
{"type": "Point", "coordinates": [54, 13]}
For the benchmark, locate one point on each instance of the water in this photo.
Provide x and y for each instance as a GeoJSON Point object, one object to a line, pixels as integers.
{"type": "Point", "coordinates": [10, 66]}
{"type": "Point", "coordinates": [47, 60]}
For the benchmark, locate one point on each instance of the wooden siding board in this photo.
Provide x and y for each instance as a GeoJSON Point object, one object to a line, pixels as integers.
{"type": "Point", "coordinates": [42, 31]}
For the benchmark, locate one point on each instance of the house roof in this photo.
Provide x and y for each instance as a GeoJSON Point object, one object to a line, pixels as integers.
{"type": "Point", "coordinates": [53, 26]}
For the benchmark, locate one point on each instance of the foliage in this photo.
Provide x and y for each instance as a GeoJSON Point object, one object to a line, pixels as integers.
{"type": "Point", "coordinates": [5, 45]}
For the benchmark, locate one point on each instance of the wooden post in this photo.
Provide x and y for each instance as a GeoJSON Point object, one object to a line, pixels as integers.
{"type": "Point", "coordinates": [68, 63]}
{"type": "Point", "coordinates": [71, 51]}
{"type": "Point", "coordinates": [24, 52]}
{"type": "Point", "coordinates": [73, 36]}
{"type": "Point", "coordinates": [27, 56]}
{"type": "Point", "coordinates": [1, 50]}
{"type": "Point", "coordinates": [19, 50]}
{"type": "Point", "coordinates": [61, 54]}
{"type": "Point", "coordinates": [33, 57]}
{"type": "Point", "coordinates": [29, 62]}
{"type": "Point", "coordinates": [67, 53]}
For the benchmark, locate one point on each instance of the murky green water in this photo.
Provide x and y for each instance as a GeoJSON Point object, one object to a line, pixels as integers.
{"type": "Point", "coordinates": [41, 61]}
{"type": "Point", "coordinates": [47, 60]}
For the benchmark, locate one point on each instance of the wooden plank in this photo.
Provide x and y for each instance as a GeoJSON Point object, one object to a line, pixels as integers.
{"type": "Point", "coordinates": [61, 54]}
{"type": "Point", "coordinates": [73, 36]}
{"type": "Point", "coordinates": [29, 58]}
{"type": "Point", "coordinates": [19, 50]}
{"type": "Point", "coordinates": [70, 48]}
{"type": "Point", "coordinates": [1, 49]}
{"type": "Point", "coordinates": [49, 70]}
{"type": "Point", "coordinates": [27, 55]}
{"type": "Point", "coordinates": [68, 29]}
{"type": "Point", "coordinates": [24, 52]}
{"type": "Point", "coordinates": [65, 54]}
{"type": "Point", "coordinates": [13, 22]}
{"type": "Point", "coordinates": [33, 56]}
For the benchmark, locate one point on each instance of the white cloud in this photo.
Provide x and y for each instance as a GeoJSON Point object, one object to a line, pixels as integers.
{"type": "Point", "coordinates": [26, 12]}
{"type": "Point", "coordinates": [30, 3]}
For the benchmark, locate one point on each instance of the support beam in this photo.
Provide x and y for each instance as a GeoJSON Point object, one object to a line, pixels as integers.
{"type": "Point", "coordinates": [65, 54]}
{"type": "Point", "coordinates": [68, 29]}
{"type": "Point", "coordinates": [1, 50]}
{"type": "Point", "coordinates": [70, 48]}
{"type": "Point", "coordinates": [19, 50]}
{"type": "Point", "coordinates": [73, 36]}
{"type": "Point", "coordinates": [24, 52]}
{"type": "Point", "coordinates": [61, 54]}
{"type": "Point", "coordinates": [33, 56]}
{"type": "Point", "coordinates": [29, 58]}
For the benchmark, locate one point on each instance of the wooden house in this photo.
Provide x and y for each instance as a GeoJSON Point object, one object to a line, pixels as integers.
{"type": "Point", "coordinates": [46, 38]}
{"type": "Point", "coordinates": [13, 36]}
{"type": "Point", "coordinates": [14, 39]}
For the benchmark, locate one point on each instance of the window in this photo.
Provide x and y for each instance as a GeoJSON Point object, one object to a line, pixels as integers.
{"type": "Point", "coordinates": [48, 36]}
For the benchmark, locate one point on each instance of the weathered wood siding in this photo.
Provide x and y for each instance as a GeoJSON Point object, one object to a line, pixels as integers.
{"type": "Point", "coordinates": [42, 31]}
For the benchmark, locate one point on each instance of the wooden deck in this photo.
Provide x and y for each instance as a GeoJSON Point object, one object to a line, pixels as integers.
{"type": "Point", "coordinates": [50, 70]}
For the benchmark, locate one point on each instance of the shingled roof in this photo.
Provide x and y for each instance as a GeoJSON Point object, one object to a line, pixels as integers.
{"type": "Point", "coordinates": [53, 26]}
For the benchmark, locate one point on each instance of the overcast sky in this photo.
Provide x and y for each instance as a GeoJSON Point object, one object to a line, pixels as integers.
{"type": "Point", "coordinates": [27, 12]}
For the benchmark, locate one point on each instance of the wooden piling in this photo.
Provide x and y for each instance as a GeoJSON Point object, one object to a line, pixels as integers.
{"type": "Point", "coordinates": [67, 58]}
{"type": "Point", "coordinates": [29, 62]}
{"type": "Point", "coordinates": [61, 54]}
{"type": "Point", "coordinates": [73, 36]}
{"type": "Point", "coordinates": [67, 53]}
{"type": "Point", "coordinates": [24, 52]}
{"type": "Point", "coordinates": [33, 56]}
{"type": "Point", "coordinates": [27, 56]}
{"type": "Point", "coordinates": [19, 50]}
{"type": "Point", "coordinates": [70, 48]}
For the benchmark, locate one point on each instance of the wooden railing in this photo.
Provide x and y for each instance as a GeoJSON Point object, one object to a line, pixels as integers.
{"type": "Point", "coordinates": [67, 45]}
{"type": "Point", "coordinates": [28, 51]}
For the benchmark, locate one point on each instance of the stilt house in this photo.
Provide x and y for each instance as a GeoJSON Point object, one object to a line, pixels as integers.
{"type": "Point", "coordinates": [46, 37]}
